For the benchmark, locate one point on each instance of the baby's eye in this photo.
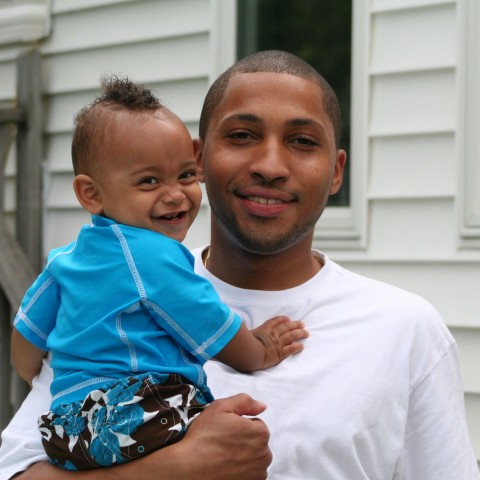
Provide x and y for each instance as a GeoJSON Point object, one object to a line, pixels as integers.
{"type": "Point", "coordinates": [188, 175]}
{"type": "Point", "coordinates": [148, 180]}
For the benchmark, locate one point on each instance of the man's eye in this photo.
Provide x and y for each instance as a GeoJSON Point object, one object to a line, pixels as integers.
{"type": "Point", "coordinates": [305, 141]}
{"type": "Point", "coordinates": [240, 135]}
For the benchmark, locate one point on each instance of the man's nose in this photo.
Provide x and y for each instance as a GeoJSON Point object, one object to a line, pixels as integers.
{"type": "Point", "coordinates": [271, 160]}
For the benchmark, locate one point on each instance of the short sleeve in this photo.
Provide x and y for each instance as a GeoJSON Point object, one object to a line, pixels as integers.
{"type": "Point", "coordinates": [37, 314]}
{"type": "Point", "coordinates": [185, 304]}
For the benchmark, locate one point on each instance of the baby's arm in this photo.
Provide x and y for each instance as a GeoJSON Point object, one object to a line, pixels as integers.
{"type": "Point", "coordinates": [264, 346]}
{"type": "Point", "coordinates": [27, 358]}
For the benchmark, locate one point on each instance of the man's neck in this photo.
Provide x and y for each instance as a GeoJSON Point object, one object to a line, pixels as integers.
{"type": "Point", "coordinates": [243, 269]}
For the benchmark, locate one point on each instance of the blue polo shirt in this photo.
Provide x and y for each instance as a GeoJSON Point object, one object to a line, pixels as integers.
{"type": "Point", "coordinates": [122, 301]}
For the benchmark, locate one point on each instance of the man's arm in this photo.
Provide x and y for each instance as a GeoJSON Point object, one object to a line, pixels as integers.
{"type": "Point", "coordinates": [219, 444]}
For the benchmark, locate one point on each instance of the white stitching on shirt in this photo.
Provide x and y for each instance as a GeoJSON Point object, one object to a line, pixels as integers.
{"type": "Point", "coordinates": [22, 314]}
{"type": "Point", "coordinates": [124, 337]}
{"type": "Point", "coordinates": [38, 293]}
{"type": "Point", "coordinates": [199, 350]}
{"type": "Point", "coordinates": [141, 291]}
{"type": "Point", "coordinates": [130, 261]}
{"type": "Point", "coordinates": [86, 383]}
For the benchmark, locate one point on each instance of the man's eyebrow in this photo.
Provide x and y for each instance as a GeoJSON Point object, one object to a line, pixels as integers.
{"type": "Point", "coordinates": [294, 122]}
{"type": "Point", "coordinates": [244, 117]}
{"type": "Point", "coordinates": [300, 122]}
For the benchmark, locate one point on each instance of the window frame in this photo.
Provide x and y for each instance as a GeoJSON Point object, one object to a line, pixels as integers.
{"type": "Point", "coordinates": [340, 227]}
{"type": "Point", "coordinates": [468, 197]}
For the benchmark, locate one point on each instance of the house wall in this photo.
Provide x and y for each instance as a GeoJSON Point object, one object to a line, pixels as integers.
{"type": "Point", "coordinates": [410, 149]}
{"type": "Point", "coordinates": [163, 44]}
{"type": "Point", "coordinates": [417, 151]}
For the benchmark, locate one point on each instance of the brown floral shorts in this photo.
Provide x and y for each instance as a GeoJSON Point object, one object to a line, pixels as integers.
{"type": "Point", "coordinates": [129, 418]}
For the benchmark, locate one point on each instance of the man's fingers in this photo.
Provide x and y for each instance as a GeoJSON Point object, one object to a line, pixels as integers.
{"type": "Point", "coordinates": [240, 404]}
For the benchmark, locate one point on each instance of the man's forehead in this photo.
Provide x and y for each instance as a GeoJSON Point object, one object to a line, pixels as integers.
{"type": "Point", "coordinates": [260, 90]}
{"type": "Point", "coordinates": [261, 83]}
{"type": "Point", "coordinates": [256, 77]}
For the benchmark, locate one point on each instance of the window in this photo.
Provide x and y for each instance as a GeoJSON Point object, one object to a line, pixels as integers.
{"type": "Point", "coordinates": [319, 32]}
{"type": "Point", "coordinates": [469, 153]}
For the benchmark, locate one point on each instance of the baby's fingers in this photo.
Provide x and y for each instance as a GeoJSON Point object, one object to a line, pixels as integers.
{"type": "Point", "coordinates": [292, 330]}
{"type": "Point", "coordinates": [291, 349]}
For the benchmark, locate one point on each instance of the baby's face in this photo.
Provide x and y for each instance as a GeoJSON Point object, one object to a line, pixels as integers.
{"type": "Point", "coordinates": [148, 175]}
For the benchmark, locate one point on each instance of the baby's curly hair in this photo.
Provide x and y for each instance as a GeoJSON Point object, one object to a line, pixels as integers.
{"type": "Point", "coordinates": [122, 93]}
{"type": "Point", "coordinates": [92, 122]}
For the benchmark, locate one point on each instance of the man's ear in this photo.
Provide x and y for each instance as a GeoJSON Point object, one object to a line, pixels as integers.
{"type": "Point", "coordinates": [197, 151]}
{"type": "Point", "coordinates": [338, 172]}
{"type": "Point", "coordinates": [88, 194]}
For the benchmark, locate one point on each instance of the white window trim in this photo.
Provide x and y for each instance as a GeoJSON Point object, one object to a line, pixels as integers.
{"type": "Point", "coordinates": [223, 36]}
{"type": "Point", "coordinates": [345, 227]}
{"type": "Point", "coordinates": [24, 21]}
{"type": "Point", "coordinates": [468, 138]}
{"type": "Point", "coordinates": [339, 227]}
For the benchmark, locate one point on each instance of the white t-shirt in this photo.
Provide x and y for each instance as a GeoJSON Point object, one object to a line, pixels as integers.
{"type": "Point", "coordinates": [376, 393]}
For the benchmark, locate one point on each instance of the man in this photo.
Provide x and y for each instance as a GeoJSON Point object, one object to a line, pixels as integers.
{"type": "Point", "coordinates": [376, 393]}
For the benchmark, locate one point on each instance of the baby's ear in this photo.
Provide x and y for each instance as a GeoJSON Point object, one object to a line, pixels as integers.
{"type": "Point", "coordinates": [88, 194]}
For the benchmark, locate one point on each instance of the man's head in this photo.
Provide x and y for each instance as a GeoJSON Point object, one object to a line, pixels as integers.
{"type": "Point", "coordinates": [274, 61]}
{"type": "Point", "coordinates": [268, 146]}
{"type": "Point", "coordinates": [134, 162]}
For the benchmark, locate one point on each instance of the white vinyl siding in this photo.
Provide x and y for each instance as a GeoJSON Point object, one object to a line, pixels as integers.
{"type": "Point", "coordinates": [161, 44]}
{"type": "Point", "coordinates": [415, 215]}
{"type": "Point", "coordinates": [416, 142]}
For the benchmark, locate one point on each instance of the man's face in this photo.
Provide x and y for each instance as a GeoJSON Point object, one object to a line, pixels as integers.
{"type": "Point", "coordinates": [270, 161]}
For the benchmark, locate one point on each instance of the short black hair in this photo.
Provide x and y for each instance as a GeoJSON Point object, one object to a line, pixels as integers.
{"type": "Point", "coordinates": [275, 61]}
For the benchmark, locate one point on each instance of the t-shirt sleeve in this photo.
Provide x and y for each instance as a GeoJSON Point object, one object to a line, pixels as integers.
{"type": "Point", "coordinates": [437, 443]}
{"type": "Point", "coordinates": [37, 314]}
{"type": "Point", "coordinates": [185, 304]}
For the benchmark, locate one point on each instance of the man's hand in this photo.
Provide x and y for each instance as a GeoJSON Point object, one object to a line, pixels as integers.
{"type": "Point", "coordinates": [228, 445]}
{"type": "Point", "coordinates": [219, 445]}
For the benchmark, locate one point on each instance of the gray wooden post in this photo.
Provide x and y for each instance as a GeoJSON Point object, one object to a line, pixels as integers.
{"type": "Point", "coordinates": [5, 309]}
{"type": "Point", "coordinates": [20, 258]}
{"type": "Point", "coordinates": [29, 175]}
{"type": "Point", "coordinates": [5, 368]}
{"type": "Point", "coordinates": [29, 159]}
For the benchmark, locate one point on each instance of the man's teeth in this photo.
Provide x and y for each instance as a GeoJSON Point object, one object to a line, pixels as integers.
{"type": "Point", "coordinates": [265, 201]}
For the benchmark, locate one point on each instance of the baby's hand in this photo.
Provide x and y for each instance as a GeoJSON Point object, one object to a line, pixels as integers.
{"type": "Point", "coordinates": [280, 337]}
